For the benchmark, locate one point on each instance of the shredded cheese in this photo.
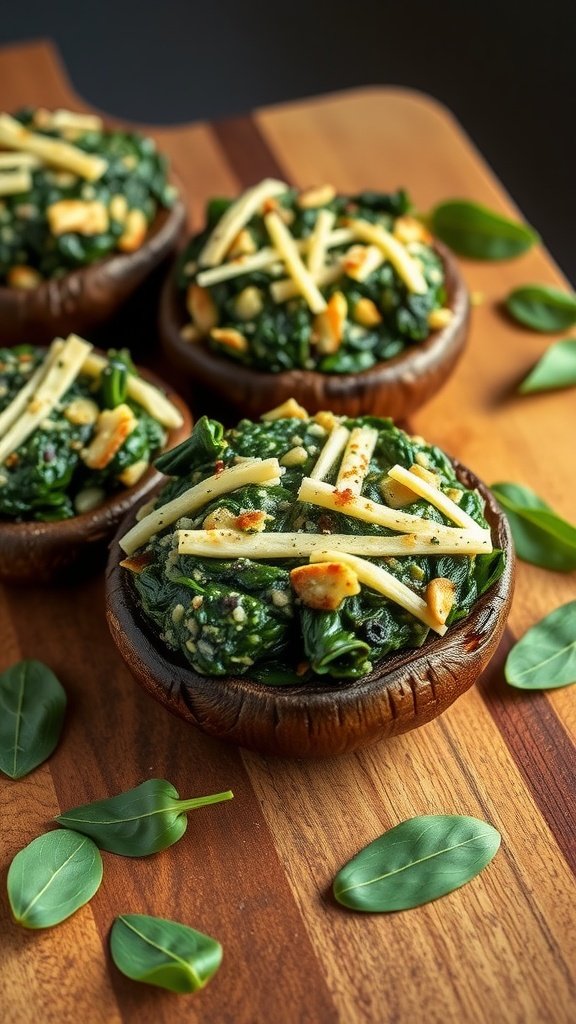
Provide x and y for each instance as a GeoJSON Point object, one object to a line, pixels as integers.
{"type": "Point", "coordinates": [315, 492]}
{"type": "Point", "coordinates": [18, 160]}
{"type": "Point", "coordinates": [286, 246]}
{"type": "Point", "coordinates": [225, 543]}
{"type": "Point", "coordinates": [318, 239]}
{"type": "Point", "coordinates": [60, 375]}
{"type": "Point", "coordinates": [356, 461]}
{"type": "Point", "coordinates": [256, 471]}
{"type": "Point", "coordinates": [264, 259]}
{"type": "Point", "coordinates": [234, 219]}
{"type": "Point", "coordinates": [61, 154]}
{"type": "Point", "coordinates": [331, 452]}
{"type": "Point", "coordinates": [385, 583]}
{"type": "Point", "coordinates": [287, 288]}
{"type": "Point", "coordinates": [435, 496]}
{"type": "Point", "coordinates": [10, 414]}
{"type": "Point", "coordinates": [393, 250]}
{"type": "Point", "coordinates": [62, 119]}
{"type": "Point", "coordinates": [141, 391]}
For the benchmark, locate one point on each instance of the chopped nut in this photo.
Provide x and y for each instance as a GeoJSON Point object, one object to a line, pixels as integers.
{"type": "Point", "coordinates": [408, 229]}
{"type": "Point", "coordinates": [361, 260]}
{"type": "Point", "coordinates": [440, 597]}
{"type": "Point", "coordinates": [248, 304]}
{"type": "Point", "coordinates": [367, 313]}
{"type": "Point", "coordinates": [118, 208]}
{"type": "Point", "coordinates": [82, 411]}
{"type": "Point", "coordinates": [78, 215]}
{"type": "Point", "coordinates": [439, 318]}
{"type": "Point", "coordinates": [290, 409]}
{"type": "Point", "coordinates": [329, 325]}
{"type": "Point", "coordinates": [318, 195]}
{"type": "Point", "coordinates": [324, 585]}
{"type": "Point", "coordinates": [396, 495]}
{"type": "Point", "coordinates": [220, 518]}
{"type": "Point", "coordinates": [131, 475]}
{"type": "Point", "coordinates": [251, 521]}
{"type": "Point", "coordinates": [243, 245]}
{"type": "Point", "coordinates": [112, 428]}
{"type": "Point", "coordinates": [295, 457]}
{"type": "Point", "coordinates": [202, 308]}
{"type": "Point", "coordinates": [135, 231]}
{"type": "Point", "coordinates": [230, 338]}
{"type": "Point", "coordinates": [23, 277]}
{"type": "Point", "coordinates": [326, 419]}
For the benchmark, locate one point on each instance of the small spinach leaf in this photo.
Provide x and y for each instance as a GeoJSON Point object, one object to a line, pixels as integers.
{"type": "Point", "coordinates": [556, 369]}
{"type": "Point", "coordinates": [545, 657]}
{"type": "Point", "coordinates": [477, 232]}
{"type": "Point", "coordinates": [164, 953]}
{"type": "Point", "coordinates": [140, 821]}
{"type": "Point", "coordinates": [416, 862]}
{"type": "Point", "coordinates": [540, 536]}
{"type": "Point", "coordinates": [32, 706]}
{"type": "Point", "coordinates": [542, 307]}
{"type": "Point", "coordinates": [52, 877]}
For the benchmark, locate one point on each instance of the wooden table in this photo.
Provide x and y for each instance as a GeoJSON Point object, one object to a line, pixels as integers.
{"type": "Point", "coordinates": [256, 872]}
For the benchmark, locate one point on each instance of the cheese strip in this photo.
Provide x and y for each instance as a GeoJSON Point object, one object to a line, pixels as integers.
{"type": "Point", "coordinates": [359, 270]}
{"type": "Point", "coordinates": [234, 219]}
{"type": "Point", "coordinates": [224, 543]}
{"type": "Point", "coordinates": [315, 492]}
{"type": "Point", "coordinates": [10, 414]}
{"type": "Point", "coordinates": [14, 182]}
{"type": "Point", "coordinates": [60, 118]}
{"type": "Point", "coordinates": [318, 239]}
{"type": "Point", "coordinates": [436, 497]}
{"type": "Point", "coordinates": [286, 288]}
{"type": "Point", "coordinates": [405, 266]}
{"type": "Point", "coordinates": [385, 583]}
{"type": "Point", "coordinates": [61, 154]}
{"type": "Point", "coordinates": [147, 395]}
{"type": "Point", "coordinates": [331, 452]}
{"type": "Point", "coordinates": [61, 374]}
{"type": "Point", "coordinates": [264, 258]}
{"type": "Point", "coordinates": [356, 460]}
{"type": "Point", "coordinates": [18, 160]}
{"type": "Point", "coordinates": [286, 246]}
{"type": "Point", "coordinates": [258, 471]}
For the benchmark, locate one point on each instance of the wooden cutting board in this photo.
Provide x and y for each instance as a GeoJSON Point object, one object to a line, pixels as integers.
{"type": "Point", "coordinates": [256, 872]}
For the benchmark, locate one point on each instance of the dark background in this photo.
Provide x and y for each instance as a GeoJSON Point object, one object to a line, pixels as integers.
{"type": "Point", "coordinates": [504, 69]}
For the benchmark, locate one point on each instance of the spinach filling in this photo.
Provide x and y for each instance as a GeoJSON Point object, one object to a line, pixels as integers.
{"type": "Point", "coordinates": [284, 335]}
{"type": "Point", "coordinates": [44, 479]}
{"type": "Point", "coordinates": [137, 175]}
{"type": "Point", "coordinates": [242, 617]}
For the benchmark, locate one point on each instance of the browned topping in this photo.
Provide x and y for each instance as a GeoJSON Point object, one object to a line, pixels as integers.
{"type": "Point", "coordinates": [324, 585]}
{"type": "Point", "coordinates": [136, 563]}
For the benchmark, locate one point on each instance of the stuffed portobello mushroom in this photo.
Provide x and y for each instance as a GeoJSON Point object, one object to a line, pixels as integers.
{"type": "Point", "coordinates": [74, 193]}
{"type": "Point", "coordinates": [318, 296]}
{"type": "Point", "coordinates": [78, 433]}
{"type": "Point", "coordinates": [300, 554]}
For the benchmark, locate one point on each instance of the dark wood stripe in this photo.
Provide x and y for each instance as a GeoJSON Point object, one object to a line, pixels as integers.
{"type": "Point", "coordinates": [246, 150]}
{"type": "Point", "coordinates": [541, 748]}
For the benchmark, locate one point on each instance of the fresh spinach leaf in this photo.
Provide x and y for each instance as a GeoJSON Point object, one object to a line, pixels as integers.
{"type": "Point", "coordinates": [473, 230]}
{"type": "Point", "coordinates": [52, 877]}
{"type": "Point", "coordinates": [140, 821]}
{"type": "Point", "coordinates": [542, 307]}
{"type": "Point", "coordinates": [164, 953]}
{"type": "Point", "coordinates": [545, 657]}
{"type": "Point", "coordinates": [32, 706]}
{"type": "Point", "coordinates": [556, 369]}
{"type": "Point", "coordinates": [416, 862]}
{"type": "Point", "coordinates": [540, 536]}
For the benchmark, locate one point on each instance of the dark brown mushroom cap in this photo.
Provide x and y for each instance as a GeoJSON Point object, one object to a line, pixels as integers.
{"type": "Point", "coordinates": [33, 552]}
{"type": "Point", "coordinates": [393, 388]}
{"type": "Point", "coordinates": [403, 691]}
{"type": "Point", "coordinates": [87, 297]}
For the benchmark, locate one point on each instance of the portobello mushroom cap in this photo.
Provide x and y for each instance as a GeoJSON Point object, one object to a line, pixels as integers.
{"type": "Point", "coordinates": [85, 298]}
{"type": "Point", "coordinates": [395, 387]}
{"type": "Point", "coordinates": [34, 552]}
{"type": "Point", "coordinates": [403, 691]}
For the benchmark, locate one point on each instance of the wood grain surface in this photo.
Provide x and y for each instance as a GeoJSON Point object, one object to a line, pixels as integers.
{"type": "Point", "coordinates": [256, 872]}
